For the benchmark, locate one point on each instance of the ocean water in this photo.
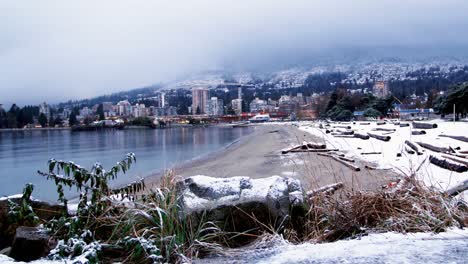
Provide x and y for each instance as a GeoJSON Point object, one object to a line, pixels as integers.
{"type": "Point", "coordinates": [23, 153]}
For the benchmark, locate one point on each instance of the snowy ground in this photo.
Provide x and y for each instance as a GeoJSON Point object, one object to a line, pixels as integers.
{"type": "Point", "coordinates": [406, 164]}
{"type": "Point", "coordinates": [447, 247]}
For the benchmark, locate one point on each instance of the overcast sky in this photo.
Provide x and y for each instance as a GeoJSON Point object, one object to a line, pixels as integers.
{"type": "Point", "coordinates": [58, 50]}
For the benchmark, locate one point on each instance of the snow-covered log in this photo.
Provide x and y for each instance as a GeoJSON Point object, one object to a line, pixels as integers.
{"type": "Point", "coordinates": [381, 123]}
{"type": "Point", "coordinates": [424, 125]}
{"type": "Point", "coordinates": [457, 189]}
{"type": "Point", "coordinates": [409, 150]}
{"type": "Point", "coordinates": [443, 163]}
{"type": "Point", "coordinates": [364, 123]}
{"type": "Point", "coordinates": [338, 135]}
{"type": "Point", "coordinates": [339, 159]}
{"type": "Point", "coordinates": [361, 136]}
{"type": "Point", "coordinates": [379, 137]}
{"type": "Point", "coordinates": [404, 125]}
{"type": "Point", "coordinates": [433, 148]}
{"type": "Point", "coordinates": [316, 145]}
{"type": "Point", "coordinates": [418, 132]}
{"type": "Point", "coordinates": [413, 147]}
{"type": "Point", "coordinates": [371, 153]}
{"type": "Point", "coordinates": [457, 159]}
{"type": "Point", "coordinates": [346, 127]}
{"type": "Point", "coordinates": [461, 138]}
{"type": "Point", "coordinates": [384, 129]}
{"type": "Point", "coordinates": [312, 150]}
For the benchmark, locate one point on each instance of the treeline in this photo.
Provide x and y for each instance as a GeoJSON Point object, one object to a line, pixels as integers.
{"type": "Point", "coordinates": [457, 96]}
{"type": "Point", "coordinates": [341, 105]}
{"type": "Point", "coordinates": [18, 117]}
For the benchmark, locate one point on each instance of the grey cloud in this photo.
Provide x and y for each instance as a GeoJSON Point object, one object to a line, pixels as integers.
{"type": "Point", "coordinates": [56, 50]}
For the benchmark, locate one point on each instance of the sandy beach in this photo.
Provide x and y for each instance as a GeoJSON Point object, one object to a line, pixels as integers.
{"type": "Point", "coordinates": [259, 155]}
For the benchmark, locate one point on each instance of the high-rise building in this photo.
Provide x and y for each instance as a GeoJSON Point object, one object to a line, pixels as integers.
{"type": "Point", "coordinates": [380, 89]}
{"type": "Point", "coordinates": [162, 100]}
{"type": "Point", "coordinates": [215, 107]}
{"type": "Point", "coordinates": [199, 100]}
{"type": "Point", "coordinates": [139, 110]}
{"type": "Point", "coordinates": [124, 108]}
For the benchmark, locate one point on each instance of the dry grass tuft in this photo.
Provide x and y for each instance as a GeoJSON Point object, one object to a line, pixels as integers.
{"type": "Point", "coordinates": [410, 207]}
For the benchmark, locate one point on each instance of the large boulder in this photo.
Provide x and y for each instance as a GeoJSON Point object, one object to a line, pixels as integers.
{"type": "Point", "coordinates": [240, 203]}
{"type": "Point", "coordinates": [30, 243]}
{"type": "Point", "coordinates": [44, 211]}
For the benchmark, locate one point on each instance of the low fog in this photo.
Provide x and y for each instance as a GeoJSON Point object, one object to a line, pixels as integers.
{"type": "Point", "coordinates": [58, 50]}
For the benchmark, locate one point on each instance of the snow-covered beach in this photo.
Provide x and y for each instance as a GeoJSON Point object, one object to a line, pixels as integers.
{"type": "Point", "coordinates": [407, 163]}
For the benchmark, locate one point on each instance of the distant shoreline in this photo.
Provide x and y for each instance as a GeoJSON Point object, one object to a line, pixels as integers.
{"type": "Point", "coordinates": [33, 129]}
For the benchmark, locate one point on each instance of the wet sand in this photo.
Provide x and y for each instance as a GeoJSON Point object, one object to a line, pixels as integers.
{"type": "Point", "coordinates": [259, 155]}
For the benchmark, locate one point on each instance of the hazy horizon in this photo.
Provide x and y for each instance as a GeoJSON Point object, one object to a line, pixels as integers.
{"type": "Point", "coordinates": [54, 50]}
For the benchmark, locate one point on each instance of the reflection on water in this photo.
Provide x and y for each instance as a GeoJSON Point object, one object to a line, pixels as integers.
{"type": "Point", "coordinates": [22, 153]}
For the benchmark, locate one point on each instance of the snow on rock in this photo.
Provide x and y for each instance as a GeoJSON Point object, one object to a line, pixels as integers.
{"type": "Point", "coordinates": [431, 174]}
{"type": "Point", "coordinates": [273, 196]}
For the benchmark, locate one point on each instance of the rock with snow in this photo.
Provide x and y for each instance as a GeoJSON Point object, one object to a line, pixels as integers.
{"type": "Point", "coordinates": [43, 210]}
{"type": "Point", "coordinates": [240, 202]}
{"type": "Point", "coordinates": [30, 243]}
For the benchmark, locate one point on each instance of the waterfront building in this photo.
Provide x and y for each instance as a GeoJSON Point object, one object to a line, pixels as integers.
{"type": "Point", "coordinates": [215, 107]}
{"type": "Point", "coordinates": [380, 89]}
{"type": "Point", "coordinates": [124, 108]}
{"type": "Point", "coordinates": [85, 111]}
{"type": "Point", "coordinates": [199, 100]}
{"type": "Point", "coordinates": [236, 105]}
{"type": "Point", "coordinates": [139, 110]}
{"type": "Point", "coordinates": [258, 105]}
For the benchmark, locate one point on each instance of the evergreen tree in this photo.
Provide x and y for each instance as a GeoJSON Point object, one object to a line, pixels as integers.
{"type": "Point", "coordinates": [72, 120]}
{"type": "Point", "coordinates": [42, 120]}
{"type": "Point", "coordinates": [100, 112]}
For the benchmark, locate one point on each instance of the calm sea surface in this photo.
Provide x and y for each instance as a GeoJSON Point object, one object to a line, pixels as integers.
{"type": "Point", "coordinates": [23, 153]}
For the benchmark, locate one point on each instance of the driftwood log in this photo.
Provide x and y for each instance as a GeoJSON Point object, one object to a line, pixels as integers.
{"type": "Point", "coordinates": [346, 127]}
{"type": "Point", "coordinates": [457, 159]}
{"type": "Point", "coordinates": [316, 145]}
{"type": "Point", "coordinates": [341, 157]}
{"type": "Point", "coordinates": [384, 129]}
{"type": "Point", "coordinates": [364, 123]}
{"type": "Point", "coordinates": [409, 150]}
{"type": "Point", "coordinates": [338, 135]}
{"type": "Point", "coordinates": [327, 190]}
{"type": "Point", "coordinates": [443, 163]}
{"type": "Point", "coordinates": [404, 125]}
{"type": "Point", "coordinates": [346, 163]}
{"type": "Point", "coordinates": [312, 150]}
{"type": "Point", "coordinates": [461, 138]}
{"type": "Point", "coordinates": [413, 147]}
{"type": "Point", "coordinates": [433, 148]}
{"type": "Point", "coordinates": [424, 125]}
{"type": "Point", "coordinates": [361, 136]}
{"type": "Point", "coordinates": [345, 132]}
{"type": "Point", "coordinates": [381, 123]}
{"type": "Point", "coordinates": [457, 189]}
{"type": "Point", "coordinates": [418, 132]}
{"type": "Point", "coordinates": [379, 137]}
{"type": "Point", "coordinates": [371, 153]}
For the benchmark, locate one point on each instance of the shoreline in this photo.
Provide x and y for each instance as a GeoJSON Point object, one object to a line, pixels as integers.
{"type": "Point", "coordinates": [258, 155]}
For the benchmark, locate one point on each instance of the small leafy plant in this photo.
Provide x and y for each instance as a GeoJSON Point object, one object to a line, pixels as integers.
{"type": "Point", "coordinates": [22, 214]}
